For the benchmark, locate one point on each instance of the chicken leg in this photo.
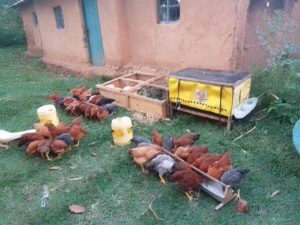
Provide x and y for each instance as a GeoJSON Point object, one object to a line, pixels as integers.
{"type": "Point", "coordinates": [162, 180]}
{"type": "Point", "coordinates": [238, 196]}
{"type": "Point", "coordinates": [47, 156]}
{"type": "Point", "coordinates": [58, 155]}
{"type": "Point", "coordinates": [143, 169]}
{"type": "Point", "coordinates": [189, 195]}
{"type": "Point", "coordinates": [77, 145]}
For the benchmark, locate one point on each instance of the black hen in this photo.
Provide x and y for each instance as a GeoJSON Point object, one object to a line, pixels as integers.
{"type": "Point", "coordinates": [105, 101]}
{"type": "Point", "coordinates": [140, 140]}
{"type": "Point", "coordinates": [110, 107]}
{"type": "Point", "coordinates": [67, 138]}
{"type": "Point", "coordinates": [235, 178]}
{"type": "Point", "coordinates": [168, 143]}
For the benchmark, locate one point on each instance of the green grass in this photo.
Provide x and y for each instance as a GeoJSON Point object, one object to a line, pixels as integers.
{"type": "Point", "coordinates": [114, 191]}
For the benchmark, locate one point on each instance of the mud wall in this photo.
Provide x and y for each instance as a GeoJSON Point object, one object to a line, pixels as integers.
{"type": "Point", "coordinates": [209, 34]}
{"type": "Point", "coordinates": [66, 45]}
{"type": "Point", "coordinates": [34, 43]}
{"type": "Point", "coordinates": [254, 54]}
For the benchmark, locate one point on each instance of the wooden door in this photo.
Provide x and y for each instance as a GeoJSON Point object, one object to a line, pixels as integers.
{"type": "Point", "coordinates": [93, 31]}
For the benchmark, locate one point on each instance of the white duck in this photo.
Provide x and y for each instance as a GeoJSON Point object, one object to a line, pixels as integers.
{"type": "Point", "coordinates": [6, 137]}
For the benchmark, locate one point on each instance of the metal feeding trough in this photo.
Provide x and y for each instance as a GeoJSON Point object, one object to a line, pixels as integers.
{"type": "Point", "coordinates": [209, 93]}
{"type": "Point", "coordinates": [219, 191]}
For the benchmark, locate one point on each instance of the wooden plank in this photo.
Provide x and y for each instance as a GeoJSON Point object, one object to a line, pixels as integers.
{"type": "Point", "coordinates": [148, 106]}
{"type": "Point", "coordinates": [157, 86]}
{"type": "Point", "coordinates": [147, 82]}
{"type": "Point", "coordinates": [121, 98]}
{"type": "Point", "coordinates": [131, 80]}
{"type": "Point", "coordinates": [202, 114]}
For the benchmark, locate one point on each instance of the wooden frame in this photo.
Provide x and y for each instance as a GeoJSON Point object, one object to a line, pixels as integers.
{"type": "Point", "coordinates": [204, 114]}
{"type": "Point", "coordinates": [124, 91]}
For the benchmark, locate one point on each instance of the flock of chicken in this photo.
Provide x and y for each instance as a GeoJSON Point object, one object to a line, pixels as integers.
{"type": "Point", "coordinates": [150, 155]}
{"type": "Point", "coordinates": [53, 140]}
{"type": "Point", "coordinates": [85, 102]}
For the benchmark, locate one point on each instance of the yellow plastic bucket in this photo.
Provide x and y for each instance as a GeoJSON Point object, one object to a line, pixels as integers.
{"type": "Point", "coordinates": [121, 130]}
{"type": "Point", "coordinates": [47, 114]}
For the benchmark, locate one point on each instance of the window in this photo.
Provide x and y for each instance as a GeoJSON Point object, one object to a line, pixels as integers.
{"type": "Point", "coordinates": [34, 19]}
{"type": "Point", "coordinates": [168, 10]}
{"type": "Point", "coordinates": [60, 24]}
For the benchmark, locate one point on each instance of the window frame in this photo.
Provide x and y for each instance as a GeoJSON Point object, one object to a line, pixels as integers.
{"type": "Point", "coordinates": [59, 17]}
{"type": "Point", "coordinates": [34, 19]}
{"type": "Point", "coordinates": [167, 7]}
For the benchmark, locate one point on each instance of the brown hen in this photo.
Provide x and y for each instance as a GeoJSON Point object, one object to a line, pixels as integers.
{"type": "Point", "coordinates": [58, 147]}
{"type": "Point", "coordinates": [188, 181]}
{"type": "Point", "coordinates": [225, 161]}
{"type": "Point", "coordinates": [57, 130]}
{"type": "Point", "coordinates": [77, 132]}
{"type": "Point", "coordinates": [186, 139]}
{"type": "Point", "coordinates": [26, 139]}
{"type": "Point", "coordinates": [42, 130]}
{"type": "Point", "coordinates": [44, 148]}
{"type": "Point", "coordinates": [195, 153]}
{"type": "Point", "coordinates": [76, 92]}
{"type": "Point", "coordinates": [215, 170]}
{"type": "Point", "coordinates": [182, 152]}
{"type": "Point", "coordinates": [205, 161]}
{"type": "Point", "coordinates": [32, 147]}
{"type": "Point", "coordinates": [102, 114]}
{"type": "Point", "coordinates": [142, 155]}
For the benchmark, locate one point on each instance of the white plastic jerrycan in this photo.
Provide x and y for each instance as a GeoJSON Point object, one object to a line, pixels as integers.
{"type": "Point", "coordinates": [121, 130]}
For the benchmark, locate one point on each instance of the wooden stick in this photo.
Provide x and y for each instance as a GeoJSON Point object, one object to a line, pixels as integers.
{"type": "Point", "coordinates": [75, 179]}
{"type": "Point", "coordinates": [245, 133]}
{"type": "Point", "coordinates": [196, 169]}
{"type": "Point", "coordinates": [152, 211]}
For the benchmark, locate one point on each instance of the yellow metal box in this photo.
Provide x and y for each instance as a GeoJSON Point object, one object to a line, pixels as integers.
{"type": "Point", "coordinates": [218, 92]}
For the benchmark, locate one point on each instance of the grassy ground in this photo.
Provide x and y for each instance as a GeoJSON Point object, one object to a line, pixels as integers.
{"type": "Point", "coordinates": [115, 192]}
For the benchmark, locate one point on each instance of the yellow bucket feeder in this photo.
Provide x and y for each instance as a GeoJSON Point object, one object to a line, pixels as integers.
{"type": "Point", "coordinates": [47, 114]}
{"type": "Point", "coordinates": [121, 130]}
{"type": "Point", "coordinates": [217, 92]}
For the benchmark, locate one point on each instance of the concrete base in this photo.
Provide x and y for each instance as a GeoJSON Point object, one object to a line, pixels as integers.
{"type": "Point", "coordinates": [88, 70]}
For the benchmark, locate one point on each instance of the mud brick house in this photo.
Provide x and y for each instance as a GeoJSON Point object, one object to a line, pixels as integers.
{"type": "Point", "coordinates": [87, 35]}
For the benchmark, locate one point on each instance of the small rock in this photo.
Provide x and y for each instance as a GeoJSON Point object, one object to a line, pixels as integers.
{"type": "Point", "coordinates": [76, 209]}
{"type": "Point", "coordinates": [55, 168]}
{"type": "Point", "coordinates": [94, 154]}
